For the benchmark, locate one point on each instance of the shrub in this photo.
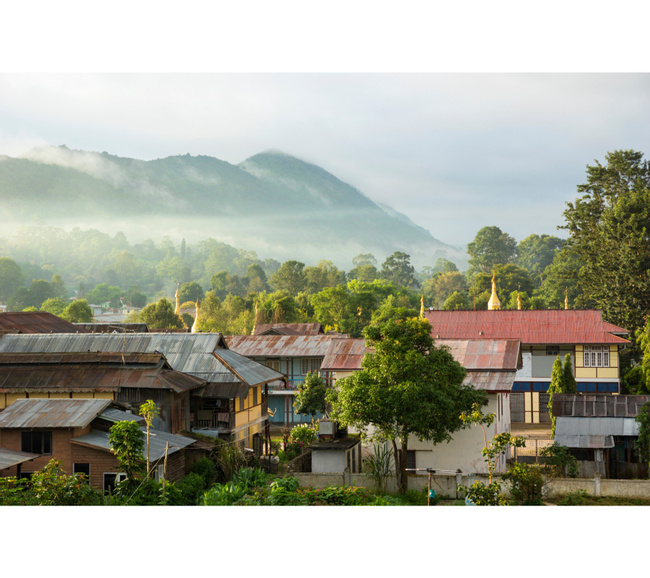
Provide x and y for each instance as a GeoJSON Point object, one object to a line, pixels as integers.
{"type": "Point", "coordinates": [527, 484]}
{"type": "Point", "coordinates": [577, 498]}
{"type": "Point", "coordinates": [303, 434]}
{"type": "Point", "coordinates": [205, 468]}
{"type": "Point", "coordinates": [558, 461]}
{"type": "Point", "coordinates": [480, 494]}
{"type": "Point", "coordinates": [379, 466]}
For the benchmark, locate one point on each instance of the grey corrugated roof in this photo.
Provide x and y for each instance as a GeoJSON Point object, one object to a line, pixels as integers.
{"type": "Point", "coordinates": [10, 458]}
{"type": "Point", "coordinates": [115, 415]}
{"type": "Point", "coordinates": [191, 353]}
{"type": "Point", "coordinates": [596, 426]}
{"type": "Point", "coordinates": [598, 405]}
{"type": "Point", "coordinates": [52, 413]}
{"type": "Point", "coordinates": [247, 370]}
{"type": "Point", "coordinates": [157, 441]}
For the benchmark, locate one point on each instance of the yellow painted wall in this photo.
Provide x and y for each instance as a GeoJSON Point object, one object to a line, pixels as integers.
{"type": "Point", "coordinates": [103, 395]}
{"type": "Point", "coordinates": [611, 372]}
{"type": "Point", "coordinates": [608, 372]}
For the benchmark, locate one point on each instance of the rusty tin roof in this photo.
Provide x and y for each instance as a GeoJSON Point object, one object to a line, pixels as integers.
{"type": "Point", "coordinates": [344, 354]}
{"type": "Point", "coordinates": [90, 371]}
{"type": "Point", "coordinates": [280, 345]}
{"type": "Point", "coordinates": [288, 329]}
{"type": "Point", "coordinates": [485, 354]}
{"type": "Point", "coordinates": [52, 413]}
{"type": "Point", "coordinates": [36, 322]}
{"type": "Point", "coordinates": [10, 458]}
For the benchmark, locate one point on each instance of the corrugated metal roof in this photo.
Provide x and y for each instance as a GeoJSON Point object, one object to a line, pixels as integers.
{"type": "Point", "coordinates": [344, 354]}
{"type": "Point", "coordinates": [594, 426]}
{"type": "Point", "coordinates": [288, 329]}
{"type": "Point", "coordinates": [544, 327]}
{"type": "Point", "coordinates": [107, 372]}
{"type": "Point", "coordinates": [10, 458]}
{"type": "Point", "coordinates": [114, 415]}
{"type": "Point", "coordinates": [52, 413]}
{"type": "Point", "coordinates": [598, 405]}
{"type": "Point", "coordinates": [485, 354]}
{"type": "Point", "coordinates": [186, 352]}
{"type": "Point", "coordinates": [280, 345]}
{"type": "Point", "coordinates": [248, 371]}
{"type": "Point", "coordinates": [491, 380]}
{"type": "Point", "coordinates": [157, 442]}
{"type": "Point", "coordinates": [36, 322]}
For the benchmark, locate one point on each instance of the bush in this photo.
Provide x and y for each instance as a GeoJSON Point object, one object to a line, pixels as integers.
{"type": "Point", "coordinates": [527, 484]}
{"type": "Point", "coordinates": [205, 468]}
{"type": "Point", "coordinates": [558, 461]}
{"type": "Point", "coordinates": [480, 494]}
{"type": "Point", "coordinates": [303, 434]}
{"type": "Point", "coordinates": [577, 498]}
{"type": "Point", "coordinates": [186, 492]}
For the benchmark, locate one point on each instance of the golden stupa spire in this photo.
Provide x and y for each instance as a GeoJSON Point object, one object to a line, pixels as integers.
{"type": "Point", "coordinates": [422, 307]}
{"type": "Point", "coordinates": [518, 300]}
{"type": "Point", "coordinates": [178, 301]}
{"type": "Point", "coordinates": [196, 318]}
{"type": "Point", "coordinates": [255, 320]}
{"type": "Point", "coordinates": [566, 298]}
{"type": "Point", "coordinates": [494, 303]}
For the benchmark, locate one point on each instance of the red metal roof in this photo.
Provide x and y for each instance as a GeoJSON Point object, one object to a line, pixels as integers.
{"type": "Point", "coordinates": [530, 327]}
{"type": "Point", "coordinates": [36, 322]}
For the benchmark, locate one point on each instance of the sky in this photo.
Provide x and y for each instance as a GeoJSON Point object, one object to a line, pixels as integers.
{"type": "Point", "coordinates": [451, 148]}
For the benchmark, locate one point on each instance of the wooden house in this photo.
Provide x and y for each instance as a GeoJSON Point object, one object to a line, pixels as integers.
{"type": "Point", "coordinates": [76, 431]}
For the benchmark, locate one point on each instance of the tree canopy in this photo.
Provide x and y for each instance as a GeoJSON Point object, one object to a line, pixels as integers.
{"type": "Point", "coordinates": [407, 386]}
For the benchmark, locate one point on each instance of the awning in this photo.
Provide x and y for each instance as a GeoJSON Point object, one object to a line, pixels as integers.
{"type": "Point", "coordinates": [11, 458]}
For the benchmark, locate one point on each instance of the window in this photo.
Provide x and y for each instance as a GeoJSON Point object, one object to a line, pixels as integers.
{"type": "Point", "coordinates": [255, 396]}
{"type": "Point", "coordinates": [273, 364]}
{"type": "Point", "coordinates": [596, 356]}
{"type": "Point", "coordinates": [553, 350]}
{"type": "Point", "coordinates": [242, 403]}
{"type": "Point", "coordinates": [410, 459]}
{"type": "Point", "coordinates": [309, 365]}
{"type": "Point", "coordinates": [81, 469]}
{"type": "Point", "coordinates": [37, 442]}
{"type": "Point", "coordinates": [110, 479]}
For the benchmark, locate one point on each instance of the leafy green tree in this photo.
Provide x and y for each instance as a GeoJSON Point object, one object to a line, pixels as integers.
{"type": "Point", "coordinates": [397, 269]}
{"type": "Point", "coordinates": [104, 293]}
{"type": "Point", "coordinates": [277, 307]}
{"type": "Point", "coordinates": [325, 274]}
{"type": "Point", "coordinates": [11, 278]}
{"type": "Point", "coordinates": [457, 301]}
{"type": "Point", "coordinates": [560, 281]}
{"type": "Point", "coordinates": [535, 253]}
{"type": "Point", "coordinates": [53, 487]}
{"type": "Point", "coordinates": [39, 291]}
{"type": "Point", "coordinates": [78, 312]}
{"type": "Point", "coordinates": [55, 306]}
{"type": "Point", "coordinates": [134, 297]}
{"type": "Point", "coordinates": [366, 273]}
{"type": "Point", "coordinates": [609, 228]}
{"type": "Point", "coordinates": [191, 292]}
{"type": "Point", "coordinates": [642, 442]}
{"type": "Point", "coordinates": [407, 386]}
{"type": "Point", "coordinates": [159, 315]}
{"type": "Point", "coordinates": [290, 278]}
{"type": "Point", "coordinates": [311, 396]}
{"type": "Point", "coordinates": [364, 259]}
{"type": "Point", "coordinates": [490, 247]}
{"type": "Point", "coordinates": [562, 381]}
{"type": "Point", "coordinates": [438, 288]}
{"type": "Point", "coordinates": [58, 287]}
{"type": "Point", "coordinates": [127, 442]}
{"type": "Point", "coordinates": [257, 281]}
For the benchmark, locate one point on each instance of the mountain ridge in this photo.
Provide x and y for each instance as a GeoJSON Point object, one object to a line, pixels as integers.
{"type": "Point", "coordinates": [269, 199]}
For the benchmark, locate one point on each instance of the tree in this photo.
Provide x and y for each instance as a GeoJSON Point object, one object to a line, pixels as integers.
{"type": "Point", "coordinates": [490, 247]}
{"type": "Point", "coordinates": [508, 278]}
{"type": "Point", "coordinates": [159, 315]}
{"type": "Point", "coordinates": [126, 441]}
{"type": "Point", "coordinates": [456, 301]}
{"type": "Point", "coordinates": [191, 292]}
{"type": "Point", "coordinates": [642, 443]}
{"type": "Point", "coordinates": [325, 274]}
{"type": "Point", "coordinates": [11, 278]}
{"type": "Point", "coordinates": [609, 228]}
{"type": "Point", "coordinates": [54, 305]}
{"type": "Point", "coordinates": [535, 253]}
{"type": "Point", "coordinates": [562, 381]}
{"type": "Point", "coordinates": [438, 288]}
{"type": "Point", "coordinates": [407, 386]}
{"type": "Point", "coordinates": [397, 269]}
{"type": "Point", "coordinates": [290, 277]}
{"type": "Point", "coordinates": [311, 396]}
{"type": "Point", "coordinates": [149, 411]}
{"type": "Point", "coordinates": [78, 312]}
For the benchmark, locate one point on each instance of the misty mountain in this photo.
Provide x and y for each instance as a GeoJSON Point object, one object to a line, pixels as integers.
{"type": "Point", "coordinates": [271, 203]}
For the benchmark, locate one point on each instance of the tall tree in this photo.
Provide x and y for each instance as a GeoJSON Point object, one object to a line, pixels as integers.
{"type": "Point", "coordinates": [407, 386]}
{"type": "Point", "coordinates": [490, 247]}
{"type": "Point", "coordinates": [290, 277]}
{"type": "Point", "coordinates": [609, 228]}
{"type": "Point", "coordinates": [159, 315]}
{"type": "Point", "coordinates": [535, 253]}
{"type": "Point", "coordinates": [562, 381]}
{"type": "Point", "coordinates": [11, 278]}
{"type": "Point", "coordinates": [397, 269]}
